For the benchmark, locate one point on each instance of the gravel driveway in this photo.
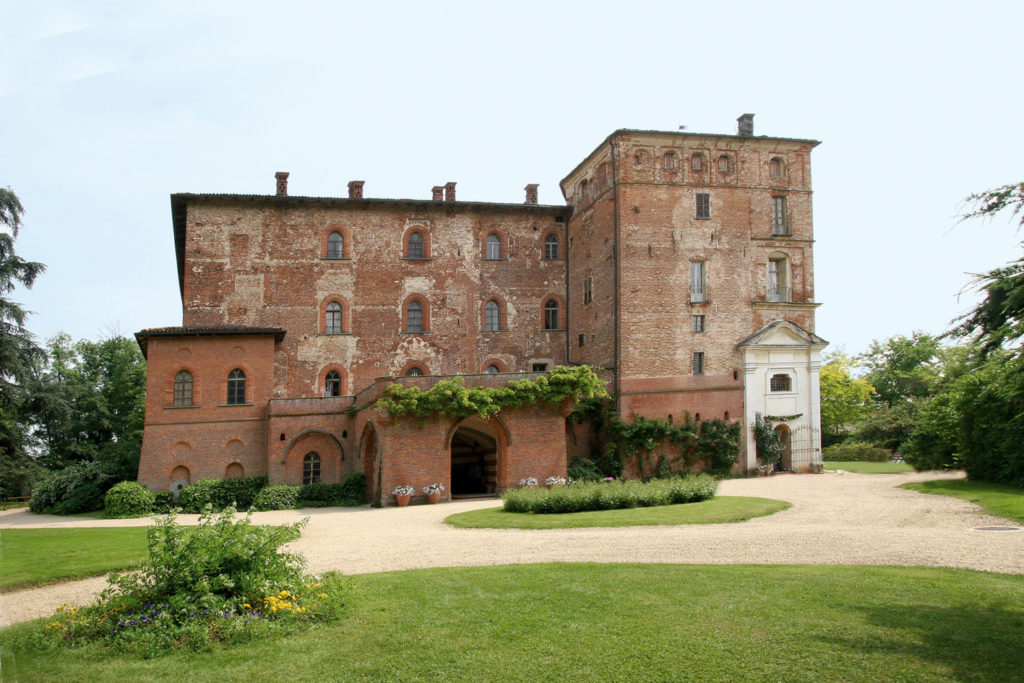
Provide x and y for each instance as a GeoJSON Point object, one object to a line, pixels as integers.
{"type": "Point", "coordinates": [835, 519]}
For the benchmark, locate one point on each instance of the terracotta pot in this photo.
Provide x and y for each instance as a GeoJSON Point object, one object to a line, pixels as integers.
{"type": "Point", "coordinates": [402, 500]}
{"type": "Point", "coordinates": [434, 497]}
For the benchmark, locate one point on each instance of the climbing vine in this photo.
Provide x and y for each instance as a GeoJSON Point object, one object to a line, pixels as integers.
{"type": "Point", "coordinates": [453, 397]}
{"type": "Point", "coordinates": [769, 445]}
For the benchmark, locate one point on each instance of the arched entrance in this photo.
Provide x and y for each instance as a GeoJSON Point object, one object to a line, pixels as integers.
{"type": "Point", "coordinates": [785, 438]}
{"type": "Point", "coordinates": [474, 459]}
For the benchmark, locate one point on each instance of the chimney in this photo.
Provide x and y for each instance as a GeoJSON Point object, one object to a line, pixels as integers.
{"type": "Point", "coordinates": [531, 193]}
{"type": "Point", "coordinates": [355, 189]}
{"type": "Point", "coordinates": [746, 126]}
{"type": "Point", "coordinates": [438, 193]}
{"type": "Point", "coordinates": [282, 183]}
{"type": "Point", "coordinates": [449, 192]}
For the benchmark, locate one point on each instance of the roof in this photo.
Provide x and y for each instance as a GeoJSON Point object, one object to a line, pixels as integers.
{"type": "Point", "coordinates": [143, 336]}
{"type": "Point", "coordinates": [805, 338]}
{"type": "Point", "coordinates": [180, 201]}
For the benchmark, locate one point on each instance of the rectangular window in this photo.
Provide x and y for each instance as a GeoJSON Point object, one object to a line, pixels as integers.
{"type": "Point", "coordinates": [703, 205]}
{"type": "Point", "coordinates": [779, 224]}
{"type": "Point", "coordinates": [588, 290]}
{"type": "Point", "coordinates": [582, 340]}
{"type": "Point", "coordinates": [540, 367]}
{"type": "Point", "coordinates": [696, 323]}
{"type": "Point", "coordinates": [697, 363]}
{"type": "Point", "coordinates": [698, 277]}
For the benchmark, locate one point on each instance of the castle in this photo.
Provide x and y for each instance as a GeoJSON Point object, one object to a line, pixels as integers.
{"type": "Point", "coordinates": [681, 265]}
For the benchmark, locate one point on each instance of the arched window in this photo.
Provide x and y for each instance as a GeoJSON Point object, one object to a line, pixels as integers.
{"type": "Point", "coordinates": [778, 279]}
{"type": "Point", "coordinates": [414, 372]}
{"type": "Point", "coordinates": [183, 389]}
{"type": "Point", "coordinates": [332, 384]}
{"type": "Point", "coordinates": [415, 246]}
{"type": "Point", "coordinates": [414, 317]}
{"type": "Point", "coordinates": [335, 245]}
{"type": "Point", "coordinates": [551, 246]}
{"type": "Point", "coordinates": [724, 164]}
{"type": "Point", "coordinates": [669, 162]}
{"type": "Point", "coordinates": [311, 468]}
{"type": "Point", "coordinates": [493, 247]}
{"type": "Point", "coordinates": [492, 316]}
{"type": "Point", "coordinates": [332, 320]}
{"type": "Point", "coordinates": [776, 169]}
{"type": "Point", "coordinates": [697, 162]}
{"type": "Point", "coordinates": [551, 315]}
{"type": "Point", "coordinates": [781, 383]}
{"type": "Point", "coordinates": [492, 369]}
{"type": "Point", "coordinates": [236, 387]}
{"type": "Point", "coordinates": [583, 188]}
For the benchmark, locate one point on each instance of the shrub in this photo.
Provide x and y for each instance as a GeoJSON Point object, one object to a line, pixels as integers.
{"type": "Point", "coordinates": [580, 496]}
{"type": "Point", "coordinates": [279, 497]}
{"type": "Point", "coordinates": [197, 495]}
{"type": "Point", "coordinates": [77, 488]}
{"type": "Point", "coordinates": [769, 445]}
{"type": "Point", "coordinates": [220, 493]}
{"type": "Point", "coordinates": [128, 499]}
{"type": "Point", "coordinates": [353, 489]}
{"type": "Point", "coordinates": [584, 469]}
{"type": "Point", "coordinates": [856, 451]}
{"type": "Point", "coordinates": [320, 495]}
{"type": "Point", "coordinates": [163, 501]}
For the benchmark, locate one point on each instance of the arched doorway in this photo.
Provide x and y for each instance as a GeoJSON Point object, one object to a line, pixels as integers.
{"type": "Point", "coordinates": [474, 459]}
{"type": "Point", "coordinates": [785, 438]}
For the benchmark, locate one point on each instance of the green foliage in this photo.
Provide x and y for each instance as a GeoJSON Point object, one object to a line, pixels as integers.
{"type": "Point", "coordinates": [220, 493]}
{"type": "Point", "coordinates": [769, 444]}
{"type": "Point", "coordinates": [934, 440]}
{"type": "Point", "coordinates": [353, 489]}
{"type": "Point", "coordinates": [278, 497]}
{"type": "Point", "coordinates": [452, 397]}
{"type": "Point", "coordinates": [858, 451]}
{"type": "Point", "coordinates": [128, 499]}
{"type": "Point", "coordinates": [78, 488]}
{"type": "Point", "coordinates": [888, 427]}
{"type": "Point", "coordinates": [581, 496]}
{"type": "Point", "coordinates": [844, 399]}
{"type": "Point", "coordinates": [991, 426]}
{"type": "Point", "coordinates": [718, 444]}
{"type": "Point", "coordinates": [163, 501]}
{"type": "Point", "coordinates": [902, 368]}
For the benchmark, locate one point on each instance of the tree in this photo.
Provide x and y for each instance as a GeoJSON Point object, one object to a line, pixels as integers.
{"type": "Point", "coordinates": [845, 400]}
{"type": "Point", "coordinates": [902, 368]}
{"type": "Point", "coordinates": [20, 357]}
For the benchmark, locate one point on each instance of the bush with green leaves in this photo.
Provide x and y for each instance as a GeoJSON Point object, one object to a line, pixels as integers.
{"type": "Point", "coordinates": [278, 497]}
{"type": "Point", "coordinates": [128, 499]}
{"type": "Point", "coordinates": [74, 489]}
{"type": "Point", "coordinates": [580, 496]}
{"type": "Point", "coordinates": [858, 451]}
{"type": "Point", "coordinates": [163, 501]}
{"type": "Point", "coordinates": [220, 493]}
{"type": "Point", "coordinates": [769, 444]}
{"type": "Point", "coordinates": [353, 489]}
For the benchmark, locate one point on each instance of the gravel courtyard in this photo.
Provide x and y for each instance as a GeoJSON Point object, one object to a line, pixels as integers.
{"type": "Point", "coordinates": [835, 519]}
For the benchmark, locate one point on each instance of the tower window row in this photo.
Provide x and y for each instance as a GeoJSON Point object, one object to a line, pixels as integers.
{"type": "Point", "coordinates": [416, 246]}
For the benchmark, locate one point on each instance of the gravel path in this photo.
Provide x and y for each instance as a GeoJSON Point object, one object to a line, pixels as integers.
{"type": "Point", "coordinates": [835, 519]}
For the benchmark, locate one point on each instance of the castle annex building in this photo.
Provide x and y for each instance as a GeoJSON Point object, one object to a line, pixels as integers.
{"type": "Point", "coordinates": [681, 264]}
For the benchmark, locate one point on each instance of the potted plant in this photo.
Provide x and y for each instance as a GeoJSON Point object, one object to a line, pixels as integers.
{"type": "Point", "coordinates": [403, 494]}
{"type": "Point", "coordinates": [433, 492]}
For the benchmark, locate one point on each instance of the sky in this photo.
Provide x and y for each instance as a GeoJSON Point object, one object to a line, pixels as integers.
{"type": "Point", "coordinates": [106, 108]}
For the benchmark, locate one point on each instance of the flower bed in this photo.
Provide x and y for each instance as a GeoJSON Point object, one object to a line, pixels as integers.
{"type": "Point", "coordinates": [585, 495]}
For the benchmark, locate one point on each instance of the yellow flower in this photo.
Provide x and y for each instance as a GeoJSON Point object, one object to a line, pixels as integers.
{"type": "Point", "coordinates": [322, 595]}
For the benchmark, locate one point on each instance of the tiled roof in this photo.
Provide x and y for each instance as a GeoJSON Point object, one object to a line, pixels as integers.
{"type": "Point", "coordinates": [143, 336]}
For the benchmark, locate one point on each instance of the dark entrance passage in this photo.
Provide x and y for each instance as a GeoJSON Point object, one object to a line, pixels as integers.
{"type": "Point", "coordinates": [474, 455]}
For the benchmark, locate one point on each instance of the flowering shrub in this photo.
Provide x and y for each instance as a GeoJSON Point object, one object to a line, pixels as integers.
{"type": "Point", "coordinates": [555, 481]}
{"type": "Point", "coordinates": [404, 491]}
{"type": "Point", "coordinates": [433, 488]}
{"type": "Point", "coordinates": [580, 496]}
{"type": "Point", "coordinates": [529, 481]}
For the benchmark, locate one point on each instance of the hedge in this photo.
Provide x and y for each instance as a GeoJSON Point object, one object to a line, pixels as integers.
{"type": "Point", "coordinates": [128, 499]}
{"type": "Point", "coordinates": [585, 495]}
{"type": "Point", "coordinates": [855, 451]}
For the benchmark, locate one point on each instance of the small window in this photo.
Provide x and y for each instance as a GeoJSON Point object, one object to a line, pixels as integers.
{"type": "Point", "coordinates": [332, 319]}
{"type": "Point", "coordinates": [698, 282]}
{"type": "Point", "coordinates": [551, 246]}
{"type": "Point", "coordinates": [697, 363]}
{"type": "Point", "coordinates": [332, 384]}
{"type": "Point", "coordinates": [311, 468]}
{"type": "Point", "coordinates": [415, 247]}
{"type": "Point", "coordinates": [779, 224]}
{"type": "Point", "coordinates": [492, 316]}
{"type": "Point", "coordinates": [492, 369]}
{"type": "Point", "coordinates": [493, 247]}
{"type": "Point", "coordinates": [236, 387]}
{"type": "Point", "coordinates": [639, 159]}
{"type": "Point", "coordinates": [414, 372]}
{"type": "Point", "coordinates": [703, 205]}
{"type": "Point", "coordinates": [335, 245]}
{"type": "Point", "coordinates": [697, 162]}
{"type": "Point", "coordinates": [725, 164]}
{"type": "Point", "coordinates": [669, 161]}
{"type": "Point", "coordinates": [696, 323]}
{"type": "Point", "coordinates": [183, 389]}
{"type": "Point", "coordinates": [778, 280]}
{"type": "Point", "coordinates": [540, 367]}
{"type": "Point", "coordinates": [781, 383]}
{"type": "Point", "coordinates": [588, 290]}
{"type": "Point", "coordinates": [583, 188]}
{"type": "Point", "coordinates": [582, 340]}
{"type": "Point", "coordinates": [551, 315]}
{"type": "Point", "coordinates": [414, 317]}
{"type": "Point", "coordinates": [776, 169]}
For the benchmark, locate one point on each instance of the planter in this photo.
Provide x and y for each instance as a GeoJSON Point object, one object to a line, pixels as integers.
{"type": "Point", "coordinates": [402, 500]}
{"type": "Point", "coordinates": [434, 497]}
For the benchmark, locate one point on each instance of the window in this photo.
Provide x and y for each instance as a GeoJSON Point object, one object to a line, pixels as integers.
{"type": "Point", "coordinates": [492, 369]}
{"type": "Point", "coordinates": [551, 246]}
{"type": "Point", "coordinates": [669, 162]}
{"type": "Point", "coordinates": [781, 383]}
{"type": "Point", "coordinates": [698, 276]}
{"type": "Point", "coordinates": [724, 164]}
{"type": "Point", "coordinates": [696, 323]}
{"type": "Point", "coordinates": [697, 162]}
{"type": "Point", "coordinates": [415, 247]}
{"type": "Point", "coordinates": [332, 384]}
{"type": "Point", "coordinates": [588, 290]}
{"type": "Point", "coordinates": [493, 247]}
{"type": "Point", "coordinates": [582, 340]}
{"type": "Point", "coordinates": [332, 321]}
{"type": "Point", "coordinates": [776, 169]}
{"type": "Point", "coordinates": [583, 188]}
{"type": "Point", "coordinates": [551, 315]}
{"type": "Point", "coordinates": [311, 468]}
{"type": "Point", "coordinates": [703, 205]}
{"type": "Point", "coordinates": [414, 372]}
{"type": "Point", "coordinates": [778, 281]}
{"type": "Point", "coordinates": [779, 224]}
{"type": "Point", "coordinates": [335, 245]}
{"type": "Point", "coordinates": [697, 364]}
{"type": "Point", "coordinates": [639, 159]}
{"type": "Point", "coordinates": [492, 316]}
{"type": "Point", "coordinates": [414, 317]}
{"type": "Point", "coordinates": [540, 367]}
{"type": "Point", "coordinates": [236, 387]}
{"type": "Point", "coordinates": [183, 389]}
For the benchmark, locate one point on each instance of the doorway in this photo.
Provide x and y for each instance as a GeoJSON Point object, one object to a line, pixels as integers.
{"type": "Point", "coordinates": [474, 459]}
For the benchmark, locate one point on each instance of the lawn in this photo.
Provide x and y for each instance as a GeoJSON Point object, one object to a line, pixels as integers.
{"type": "Point", "coordinates": [36, 556]}
{"type": "Point", "coordinates": [718, 510]}
{"type": "Point", "coordinates": [996, 499]}
{"type": "Point", "coordinates": [858, 467]}
{"type": "Point", "coordinates": [601, 622]}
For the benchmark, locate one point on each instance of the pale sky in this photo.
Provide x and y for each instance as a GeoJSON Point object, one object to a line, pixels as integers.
{"type": "Point", "coordinates": [106, 108]}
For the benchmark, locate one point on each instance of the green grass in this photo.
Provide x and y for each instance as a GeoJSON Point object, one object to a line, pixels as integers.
{"type": "Point", "coordinates": [37, 556]}
{"type": "Point", "coordinates": [996, 499]}
{"type": "Point", "coordinates": [858, 467]}
{"type": "Point", "coordinates": [718, 510]}
{"type": "Point", "coordinates": [604, 622]}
